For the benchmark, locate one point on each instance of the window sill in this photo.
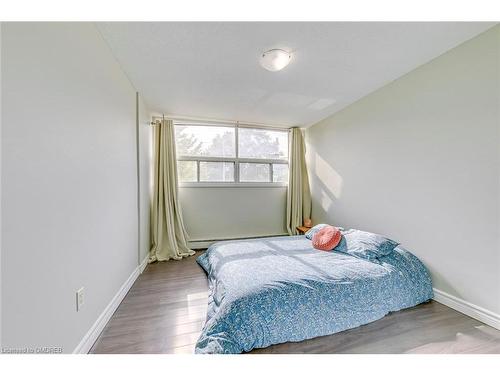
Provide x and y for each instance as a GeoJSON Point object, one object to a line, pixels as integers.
{"type": "Point", "coordinates": [232, 185]}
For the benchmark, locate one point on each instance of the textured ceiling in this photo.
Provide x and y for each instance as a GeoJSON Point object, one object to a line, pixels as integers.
{"type": "Point", "coordinates": [211, 70]}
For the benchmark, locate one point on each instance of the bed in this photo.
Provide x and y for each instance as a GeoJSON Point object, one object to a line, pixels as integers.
{"type": "Point", "coordinates": [272, 290]}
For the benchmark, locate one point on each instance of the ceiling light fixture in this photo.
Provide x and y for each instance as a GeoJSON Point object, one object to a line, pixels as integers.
{"type": "Point", "coordinates": [275, 59]}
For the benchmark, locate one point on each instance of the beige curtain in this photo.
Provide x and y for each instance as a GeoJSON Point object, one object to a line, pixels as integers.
{"type": "Point", "coordinates": [168, 236]}
{"type": "Point", "coordinates": [298, 203]}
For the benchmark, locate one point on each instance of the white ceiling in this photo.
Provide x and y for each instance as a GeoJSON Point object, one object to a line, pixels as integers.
{"type": "Point", "coordinates": [211, 70]}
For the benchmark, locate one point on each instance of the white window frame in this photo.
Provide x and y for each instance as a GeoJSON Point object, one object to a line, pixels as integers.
{"type": "Point", "coordinates": [236, 160]}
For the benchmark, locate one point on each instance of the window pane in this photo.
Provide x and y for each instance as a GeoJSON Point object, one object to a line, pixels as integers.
{"type": "Point", "coordinates": [186, 171]}
{"type": "Point", "coordinates": [215, 171]}
{"type": "Point", "coordinates": [216, 141]}
{"type": "Point", "coordinates": [262, 144]}
{"type": "Point", "coordinates": [280, 172]}
{"type": "Point", "coordinates": [254, 172]}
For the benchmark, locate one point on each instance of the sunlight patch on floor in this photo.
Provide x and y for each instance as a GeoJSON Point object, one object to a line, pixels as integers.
{"type": "Point", "coordinates": [481, 340]}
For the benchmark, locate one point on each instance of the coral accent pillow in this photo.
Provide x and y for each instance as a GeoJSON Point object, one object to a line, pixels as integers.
{"type": "Point", "coordinates": [326, 238]}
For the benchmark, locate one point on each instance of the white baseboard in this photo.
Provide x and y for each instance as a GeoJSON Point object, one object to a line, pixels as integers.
{"type": "Point", "coordinates": [91, 336]}
{"type": "Point", "coordinates": [198, 245]}
{"type": "Point", "coordinates": [485, 316]}
{"type": "Point", "coordinates": [143, 264]}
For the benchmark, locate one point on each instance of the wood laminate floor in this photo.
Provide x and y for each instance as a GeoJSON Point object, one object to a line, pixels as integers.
{"type": "Point", "coordinates": [165, 309]}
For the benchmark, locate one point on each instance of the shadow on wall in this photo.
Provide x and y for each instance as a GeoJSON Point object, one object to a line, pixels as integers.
{"type": "Point", "coordinates": [329, 183]}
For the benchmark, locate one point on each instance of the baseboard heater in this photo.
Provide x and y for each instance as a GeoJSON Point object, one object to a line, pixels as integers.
{"type": "Point", "coordinates": [203, 244]}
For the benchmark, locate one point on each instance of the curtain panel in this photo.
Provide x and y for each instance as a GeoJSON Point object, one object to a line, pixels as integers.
{"type": "Point", "coordinates": [169, 239]}
{"type": "Point", "coordinates": [298, 203]}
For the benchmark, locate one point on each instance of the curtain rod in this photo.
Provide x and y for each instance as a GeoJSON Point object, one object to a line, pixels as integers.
{"type": "Point", "coordinates": [215, 121]}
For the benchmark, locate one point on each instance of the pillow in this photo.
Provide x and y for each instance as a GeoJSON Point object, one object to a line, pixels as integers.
{"type": "Point", "coordinates": [326, 238]}
{"type": "Point", "coordinates": [365, 245]}
{"type": "Point", "coordinates": [310, 233]}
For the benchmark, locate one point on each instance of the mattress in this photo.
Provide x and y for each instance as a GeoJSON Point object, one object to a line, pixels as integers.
{"type": "Point", "coordinates": [272, 290]}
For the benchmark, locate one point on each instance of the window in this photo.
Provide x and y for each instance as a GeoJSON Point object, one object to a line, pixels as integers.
{"type": "Point", "coordinates": [255, 172]}
{"type": "Point", "coordinates": [225, 154]}
{"type": "Point", "coordinates": [216, 171]}
{"type": "Point", "coordinates": [205, 141]}
{"type": "Point", "coordinates": [262, 144]}
{"type": "Point", "coordinates": [187, 170]}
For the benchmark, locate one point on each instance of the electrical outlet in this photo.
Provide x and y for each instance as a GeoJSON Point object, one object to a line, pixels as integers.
{"type": "Point", "coordinates": [80, 300]}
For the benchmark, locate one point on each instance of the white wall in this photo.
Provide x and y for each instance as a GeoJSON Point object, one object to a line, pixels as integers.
{"type": "Point", "coordinates": [69, 208]}
{"type": "Point", "coordinates": [145, 147]}
{"type": "Point", "coordinates": [233, 212]}
{"type": "Point", "coordinates": [419, 160]}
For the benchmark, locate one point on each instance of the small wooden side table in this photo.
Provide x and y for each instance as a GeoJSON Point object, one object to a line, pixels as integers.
{"type": "Point", "coordinates": [302, 229]}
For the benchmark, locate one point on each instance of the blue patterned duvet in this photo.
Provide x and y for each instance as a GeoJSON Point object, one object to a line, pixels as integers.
{"type": "Point", "coordinates": [272, 290]}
